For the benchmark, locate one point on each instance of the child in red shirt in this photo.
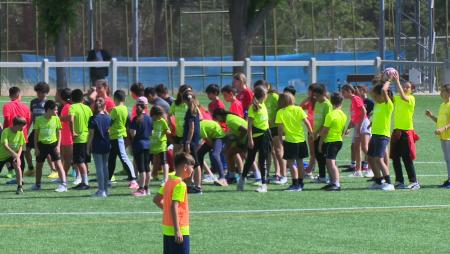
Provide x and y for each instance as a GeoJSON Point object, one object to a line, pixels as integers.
{"type": "Point", "coordinates": [213, 91]}
{"type": "Point", "coordinates": [229, 96]}
{"type": "Point", "coordinates": [245, 94]}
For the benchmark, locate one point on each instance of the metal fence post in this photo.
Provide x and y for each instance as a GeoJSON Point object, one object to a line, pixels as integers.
{"type": "Point", "coordinates": [45, 71]}
{"type": "Point", "coordinates": [182, 71]}
{"type": "Point", "coordinates": [378, 64]}
{"type": "Point", "coordinates": [248, 70]}
{"type": "Point", "coordinates": [313, 70]}
{"type": "Point", "coordinates": [114, 74]}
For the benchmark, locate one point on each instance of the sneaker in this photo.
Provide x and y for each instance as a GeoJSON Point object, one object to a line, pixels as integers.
{"type": "Point", "coordinates": [327, 186]}
{"type": "Point", "coordinates": [387, 187]}
{"type": "Point", "coordinates": [282, 180]}
{"type": "Point", "coordinates": [356, 174]}
{"type": "Point", "coordinates": [109, 184]}
{"type": "Point", "coordinates": [333, 187]}
{"type": "Point", "coordinates": [133, 185]}
{"type": "Point", "coordinates": [221, 182]}
{"type": "Point", "coordinates": [99, 194]}
{"type": "Point", "coordinates": [61, 188]}
{"type": "Point", "coordinates": [309, 176]}
{"type": "Point", "coordinates": [318, 179]}
{"type": "Point", "coordinates": [209, 179]}
{"type": "Point", "coordinates": [195, 190]}
{"type": "Point", "coordinates": [446, 184]}
{"type": "Point", "coordinates": [257, 182]}
{"type": "Point", "coordinates": [56, 181]}
{"type": "Point", "coordinates": [12, 181]}
{"type": "Point", "coordinates": [77, 181]}
{"type": "Point", "coordinates": [162, 183]}
{"type": "Point", "coordinates": [10, 174]}
{"type": "Point", "coordinates": [294, 188]}
{"type": "Point", "coordinates": [147, 192]}
{"type": "Point", "coordinates": [368, 173]}
{"type": "Point", "coordinates": [30, 172]}
{"type": "Point", "coordinates": [139, 193]}
{"type": "Point", "coordinates": [36, 187]}
{"type": "Point", "coordinates": [241, 184]}
{"type": "Point", "coordinates": [376, 186]}
{"type": "Point", "coordinates": [414, 186]}
{"type": "Point", "coordinates": [113, 179]}
{"type": "Point", "coordinates": [81, 186]}
{"type": "Point", "coordinates": [19, 190]}
{"type": "Point", "coordinates": [400, 186]}
{"type": "Point", "coordinates": [262, 188]}
{"type": "Point", "coordinates": [53, 175]}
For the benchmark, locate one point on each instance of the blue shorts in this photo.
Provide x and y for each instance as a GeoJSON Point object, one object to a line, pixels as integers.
{"type": "Point", "coordinates": [171, 247]}
{"type": "Point", "coordinates": [377, 146]}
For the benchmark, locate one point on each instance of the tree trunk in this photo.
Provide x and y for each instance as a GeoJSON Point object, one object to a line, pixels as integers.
{"type": "Point", "coordinates": [60, 55]}
{"type": "Point", "coordinates": [159, 29]}
{"type": "Point", "coordinates": [238, 26]}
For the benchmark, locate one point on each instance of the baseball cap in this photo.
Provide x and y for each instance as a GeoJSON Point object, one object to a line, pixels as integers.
{"type": "Point", "coordinates": [142, 100]}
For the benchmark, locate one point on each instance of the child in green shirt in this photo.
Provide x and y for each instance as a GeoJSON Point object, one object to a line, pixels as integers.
{"type": "Point", "coordinates": [117, 135]}
{"type": "Point", "coordinates": [331, 140]}
{"type": "Point", "coordinates": [11, 143]}
{"type": "Point", "coordinates": [158, 141]}
{"type": "Point", "coordinates": [47, 142]}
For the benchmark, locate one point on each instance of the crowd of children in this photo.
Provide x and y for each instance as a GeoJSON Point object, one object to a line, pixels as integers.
{"type": "Point", "coordinates": [260, 128]}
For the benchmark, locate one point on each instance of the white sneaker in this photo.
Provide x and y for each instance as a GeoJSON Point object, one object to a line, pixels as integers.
{"type": "Point", "coordinates": [99, 194]}
{"type": "Point", "coordinates": [209, 179]}
{"type": "Point", "coordinates": [77, 181]}
{"type": "Point", "coordinates": [414, 186]}
{"type": "Point", "coordinates": [368, 173]}
{"type": "Point", "coordinates": [387, 187]}
{"type": "Point", "coordinates": [262, 188]}
{"type": "Point", "coordinates": [240, 184]}
{"type": "Point", "coordinates": [61, 188]}
{"type": "Point", "coordinates": [356, 174]}
{"type": "Point", "coordinates": [400, 186]}
{"type": "Point", "coordinates": [318, 179]}
{"type": "Point", "coordinates": [281, 181]}
{"type": "Point", "coordinates": [376, 186]}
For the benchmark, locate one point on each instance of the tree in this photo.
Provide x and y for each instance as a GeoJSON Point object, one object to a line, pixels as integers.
{"type": "Point", "coordinates": [246, 18]}
{"type": "Point", "coordinates": [55, 17]}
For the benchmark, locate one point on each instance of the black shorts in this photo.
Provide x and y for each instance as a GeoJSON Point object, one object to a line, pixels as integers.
{"type": "Point", "coordinates": [8, 162]}
{"type": "Point", "coordinates": [295, 151]}
{"type": "Point", "coordinates": [377, 146]}
{"type": "Point", "coordinates": [142, 160]}
{"type": "Point", "coordinates": [46, 150]}
{"type": "Point", "coordinates": [177, 140]}
{"type": "Point", "coordinates": [331, 149]}
{"type": "Point", "coordinates": [80, 154]}
{"type": "Point", "coordinates": [162, 157]}
{"type": "Point", "coordinates": [30, 144]}
{"type": "Point", "coordinates": [274, 131]}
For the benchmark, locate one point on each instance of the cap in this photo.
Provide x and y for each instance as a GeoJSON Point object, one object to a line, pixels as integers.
{"type": "Point", "coordinates": [142, 100]}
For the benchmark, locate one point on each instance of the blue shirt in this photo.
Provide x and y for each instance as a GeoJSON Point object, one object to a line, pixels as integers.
{"type": "Point", "coordinates": [100, 123]}
{"type": "Point", "coordinates": [143, 128]}
{"type": "Point", "coordinates": [188, 119]}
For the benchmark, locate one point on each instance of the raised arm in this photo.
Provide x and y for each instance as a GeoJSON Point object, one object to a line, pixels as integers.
{"type": "Point", "coordinates": [399, 87]}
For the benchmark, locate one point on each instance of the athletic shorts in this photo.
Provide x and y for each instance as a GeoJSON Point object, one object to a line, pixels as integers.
{"type": "Point", "coordinates": [80, 154]}
{"type": "Point", "coordinates": [30, 144]}
{"type": "Point", "coordinates": [162, 157]}
{"type": "Point", "coordinates": [356, 132]}
{"type": "Point", "coordinates": [377, 146]}
{"type": "Point", "coordinates": [274, 131]}
{"type": "Point", "coordinates": [331, 149]}
{"type": "Point", "coordinates": [366, 127]}
{"type": "Point", "coordinates": [142, 160]}
{"type": "Point", "coordinates": [295, 151]}
{"type": "Point", "coordinates": [171, 247]}
{"type": "Point", "coordinates": [46, 150]}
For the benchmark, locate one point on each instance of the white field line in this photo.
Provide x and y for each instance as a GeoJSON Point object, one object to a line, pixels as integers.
{"type": "Point", "coordinates": [259, 211]}
{"type": "Point", "coordinates": [415, 162]}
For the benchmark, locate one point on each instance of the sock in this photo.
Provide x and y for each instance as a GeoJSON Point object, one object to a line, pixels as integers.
{"type": "Point", "coordinates": [85, 179]}
{"type": "Point", "coordinates": [387, 179]}
{"type": "Point", "coordinates": [300, 181]}
{"type": "Point", "coordinates": [294, 182]}
{"type": "Point", "coordinates": [257, 174]}
{"type": "Point", "coordinates": [353, 163]}
{"type": "Point", "coordinates": [364, 164]}
{"type": "Point", "coordinates": [337, 183]}
{"type": "Point", "coordinates": [146, 187]}
{"type": "Point", "coordinates": [378, 180]}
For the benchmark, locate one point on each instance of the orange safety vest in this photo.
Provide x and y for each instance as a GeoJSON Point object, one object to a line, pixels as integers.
{"type": "Point", "coordinates": [183, 208]}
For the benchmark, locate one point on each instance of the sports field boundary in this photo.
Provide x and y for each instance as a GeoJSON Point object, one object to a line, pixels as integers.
{"type": "Point", "coordinates": [260, 211]}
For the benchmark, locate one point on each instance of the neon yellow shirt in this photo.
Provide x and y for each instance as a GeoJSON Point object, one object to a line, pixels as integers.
{"type": "Point", "coordinates": [321, 110]}
{"type": "Point", "coordinates": [234, 123]}
{"type": "Point", "coordinates": [13, 140]}
{"type": "Point", "coordinates": [82, 114]}
{"type": "Point", "coordinates": [260, 118]}
{"type": "Point", "coordinates": [119, 118]}
{"type": "Point", "coordinates": [444, 119]}
{"type": "Point", "coordinates": [404, 113]}
{"type": "Point", "coordinates": [179, 111]}
{"type": "Point", "coordinates": [47, 129]}
{"type": "Point", "coordinates": [291, 117]}
{"type": "Point", "coordinates": [158, 140]}
{"type": "Point", "coordinates": [335, 122]}
{"type": "Point", "coordinates": [210, 129]}
{"type": "Point", "coordinates": [271, 103]}
{"type": "Point", "coordinates": [381, 118]}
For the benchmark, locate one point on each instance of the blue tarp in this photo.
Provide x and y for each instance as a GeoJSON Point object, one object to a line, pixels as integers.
{"type": "Point", "coordinates": [200, 77]}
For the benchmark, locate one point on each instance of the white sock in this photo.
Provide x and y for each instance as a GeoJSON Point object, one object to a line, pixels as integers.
{"type": "Point", "coordinates": [85, 179]}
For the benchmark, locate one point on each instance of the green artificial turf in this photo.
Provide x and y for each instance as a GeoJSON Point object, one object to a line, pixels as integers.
{"type": "Point", "coordinates": [226, 221]}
